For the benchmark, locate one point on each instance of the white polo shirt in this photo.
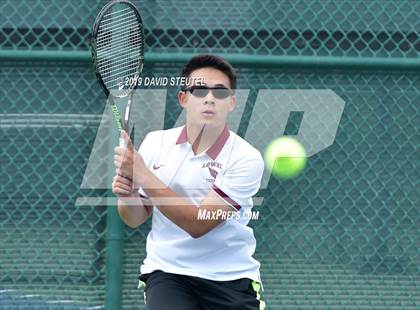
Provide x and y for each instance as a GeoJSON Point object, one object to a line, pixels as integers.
{"type": "Point", "coordinates": [232, 168]}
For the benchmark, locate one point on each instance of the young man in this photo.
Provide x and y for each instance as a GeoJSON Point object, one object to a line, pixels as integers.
{"type": "Point", "coordinates": [198, 181]}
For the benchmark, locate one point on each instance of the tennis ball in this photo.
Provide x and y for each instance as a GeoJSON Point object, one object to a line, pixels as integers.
{"type": "Point", "coordinates": [285, 156]}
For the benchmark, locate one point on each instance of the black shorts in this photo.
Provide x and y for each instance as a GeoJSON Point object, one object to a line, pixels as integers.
{"type": "Point", "coordinates": [167, 291]}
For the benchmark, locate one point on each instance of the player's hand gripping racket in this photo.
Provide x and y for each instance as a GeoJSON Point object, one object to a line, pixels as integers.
{"type": "Point", "coordinates": [118, 55]}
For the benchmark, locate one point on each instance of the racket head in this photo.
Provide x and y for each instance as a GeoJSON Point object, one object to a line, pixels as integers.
{"type": "Point", "coordinates": [118, 48]}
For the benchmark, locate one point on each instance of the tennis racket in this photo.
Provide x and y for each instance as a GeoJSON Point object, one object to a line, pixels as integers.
{"type": "Point", "coordinates": [118, 55]}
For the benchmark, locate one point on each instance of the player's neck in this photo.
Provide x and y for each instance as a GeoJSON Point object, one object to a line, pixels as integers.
{"type": "Point", "coordinates": [202, 138]}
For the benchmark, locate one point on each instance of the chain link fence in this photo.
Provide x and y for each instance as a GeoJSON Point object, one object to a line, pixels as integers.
{"type": "Point", "coordinates": [343, 235]}
{"type": "Point", "coordinates": [378, 28]}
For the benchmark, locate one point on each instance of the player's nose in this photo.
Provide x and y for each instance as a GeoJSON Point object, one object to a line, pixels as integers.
{"type": "Point", "coordinates": [209, 99]}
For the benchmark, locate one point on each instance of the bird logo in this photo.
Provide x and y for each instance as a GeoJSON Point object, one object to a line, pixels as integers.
{"type": "Point", "coordinates": [213, 172]}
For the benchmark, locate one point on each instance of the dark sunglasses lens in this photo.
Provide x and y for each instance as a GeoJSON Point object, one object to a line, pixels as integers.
{"type": "Point", "coordinates": [202, 91]}
{"type": "Point", "coordinates": [221, 93]}
{"type": "Point", "coordinates": [199, 91]}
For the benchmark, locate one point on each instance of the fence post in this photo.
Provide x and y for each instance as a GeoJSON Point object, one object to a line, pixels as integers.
{"type": "Point", "coordinates": [114, 237]}
{"type": "Point", "coordinates": [114, 259]}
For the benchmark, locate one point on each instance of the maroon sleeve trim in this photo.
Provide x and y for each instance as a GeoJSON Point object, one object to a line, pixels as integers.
{"type": "Point", "coordinates": [226, 197]}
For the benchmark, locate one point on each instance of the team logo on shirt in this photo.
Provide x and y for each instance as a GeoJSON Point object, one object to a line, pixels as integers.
{"type": "Point", "coordinates": [213, 173]}
{"type": "Point", "coordinates": [212, 169]}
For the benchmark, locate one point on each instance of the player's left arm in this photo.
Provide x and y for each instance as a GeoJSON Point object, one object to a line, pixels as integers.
{"type": "Point", "coordinates": [231, 192]}
{"type": "Point", "coordinates": [181, 211]}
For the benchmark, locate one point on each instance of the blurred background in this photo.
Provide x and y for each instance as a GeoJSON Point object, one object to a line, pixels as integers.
{"type": "Point", "coordinates": [342, 235]}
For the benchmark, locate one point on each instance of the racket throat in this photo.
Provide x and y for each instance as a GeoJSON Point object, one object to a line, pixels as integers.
{"type": "Point", "coordinates": [117, 116]}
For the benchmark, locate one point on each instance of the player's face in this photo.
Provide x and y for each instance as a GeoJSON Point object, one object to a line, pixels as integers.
{"type": "Point", "coordinates": [209, 102]}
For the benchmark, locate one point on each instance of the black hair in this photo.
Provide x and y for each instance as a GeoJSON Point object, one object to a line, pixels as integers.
{"type": "Point", "coordinates": [212, 61]}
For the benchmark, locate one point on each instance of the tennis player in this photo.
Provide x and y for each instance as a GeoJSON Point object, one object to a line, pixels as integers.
{"type": "Point", "coordinates": [198, 181]}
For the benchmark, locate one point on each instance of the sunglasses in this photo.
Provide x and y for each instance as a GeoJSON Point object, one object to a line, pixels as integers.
{"type": "Point", "coordinates": [202, 91]}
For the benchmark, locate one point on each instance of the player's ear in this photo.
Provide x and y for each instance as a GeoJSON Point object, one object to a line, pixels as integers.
{"type": "Point", "coordinates": [182, 98]}
{"type": "Point", "coordinates": [232, 103]}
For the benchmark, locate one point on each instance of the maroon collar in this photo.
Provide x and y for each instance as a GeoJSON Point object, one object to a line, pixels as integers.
{"type": "Point", "coordinates": [215, 149]}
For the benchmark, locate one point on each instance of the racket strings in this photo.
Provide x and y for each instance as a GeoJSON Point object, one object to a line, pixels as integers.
{"type": "Point", "coordinates": [114, 13]}
{"type": "Point", "coordinates": [119, 48]}
{"type": "Point", "coordinates": [131, 66]}
{"type": "Point", "coordinates": [122, 41]}
{"type": "Point", "coordinates": [116, 47]}
{"type": "Point", "coordinates": [121, 75]}
{"type": "Point", "coordinates": [121, 28]}
{"type": "Point", "coordinates": [117, 60]}
{"type": "Point", "coordinates": [114, 19]}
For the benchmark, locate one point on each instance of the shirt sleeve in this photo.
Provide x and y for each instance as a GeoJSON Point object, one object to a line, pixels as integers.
{"type": "Point", "coordinates": [240, 182]}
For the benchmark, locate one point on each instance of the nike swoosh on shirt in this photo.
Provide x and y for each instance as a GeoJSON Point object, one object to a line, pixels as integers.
{"type": "Point", "coordinates": [157, 167]}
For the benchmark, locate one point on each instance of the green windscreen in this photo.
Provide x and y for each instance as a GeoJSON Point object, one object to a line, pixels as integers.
{"type": "Point", "coordinates": [342, 235]}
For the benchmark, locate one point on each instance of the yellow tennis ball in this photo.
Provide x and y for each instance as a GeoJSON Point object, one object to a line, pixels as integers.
{"type": "Point", "coordinates": [285, 156]}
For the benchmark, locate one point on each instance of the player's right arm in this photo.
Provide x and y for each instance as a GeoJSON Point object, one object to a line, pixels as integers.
{"type": "Point", "coordinates": [132, 209]}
